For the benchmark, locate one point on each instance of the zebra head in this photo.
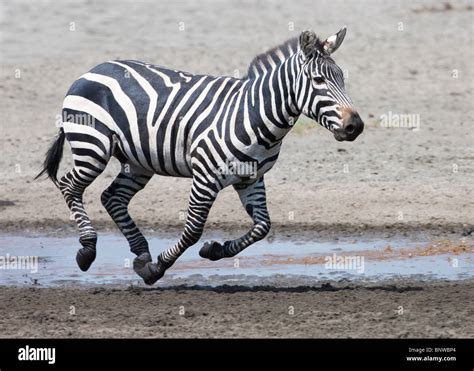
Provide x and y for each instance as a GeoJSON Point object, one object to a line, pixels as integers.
{"type": "Point", "coordinates": [320, 88]}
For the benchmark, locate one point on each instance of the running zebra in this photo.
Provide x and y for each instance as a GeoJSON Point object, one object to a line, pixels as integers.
{"type": "Point", "coordinates": [219, 131]}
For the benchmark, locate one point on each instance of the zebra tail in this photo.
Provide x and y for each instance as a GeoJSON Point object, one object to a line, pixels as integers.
{"type": "Point", "coordinates": [53, 158]}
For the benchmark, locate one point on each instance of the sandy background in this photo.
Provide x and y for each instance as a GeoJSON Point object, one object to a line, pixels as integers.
{"type": "Point", "coordinates": [397, 179]}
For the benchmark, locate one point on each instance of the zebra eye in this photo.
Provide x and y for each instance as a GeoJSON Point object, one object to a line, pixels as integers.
{"type": "Point", "coordinates": [319, 80]}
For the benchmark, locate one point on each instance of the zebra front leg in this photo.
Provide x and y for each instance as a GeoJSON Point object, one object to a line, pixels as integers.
{"type": "Point", "coordinates": [253, 198]}
{"type": "Point", "coordinates": [201, 198]}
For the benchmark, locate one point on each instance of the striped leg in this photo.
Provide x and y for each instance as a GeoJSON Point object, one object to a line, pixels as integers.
{"type": "Point", "coordinates": [116, 198]}
{"type": "Point", "coordinates": [253, 198]}
{"type": "Point", "coordinates": [72, 186]}
{"type": "Point", "coordinates": [90, 152]}
{"type": "Point", "coordinates": [200, 201]}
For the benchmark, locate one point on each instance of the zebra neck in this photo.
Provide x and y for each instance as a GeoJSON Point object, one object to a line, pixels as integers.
{"type": "Point", "coordinates": [271, 100]}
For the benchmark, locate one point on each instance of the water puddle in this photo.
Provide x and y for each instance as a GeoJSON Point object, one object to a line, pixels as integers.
{"type": "Point", "coordinates": [279, 262]}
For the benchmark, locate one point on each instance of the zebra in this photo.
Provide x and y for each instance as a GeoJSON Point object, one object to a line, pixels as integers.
{"type": "Point", "coordinates": [157, 120]}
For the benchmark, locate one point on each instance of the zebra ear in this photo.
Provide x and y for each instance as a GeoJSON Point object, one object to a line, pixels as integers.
{"type": "Point", "coordinates": [308, 41]}
{"type": "Point", "coordinates": [333, 42]}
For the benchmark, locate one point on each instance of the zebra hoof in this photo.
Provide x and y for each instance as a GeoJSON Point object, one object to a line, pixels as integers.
{"type": "Point", "coordinates": [85, 257]}
{"type": "Point", "coordinates": [150, 273]}
{"type": "Point", "coordinates": [211, 250]}
{"type": "Point", "coordinates": [140, 261]}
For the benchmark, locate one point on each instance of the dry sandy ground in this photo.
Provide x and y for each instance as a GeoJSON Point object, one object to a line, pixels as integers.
{"type": "Point", "coordinates": [328, 310]}
{"type": "Point", "coordinates": [396, 178]}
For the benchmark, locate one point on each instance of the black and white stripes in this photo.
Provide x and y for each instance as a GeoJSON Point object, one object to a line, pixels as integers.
{"type": "Point", "coordinates": [162, 121]}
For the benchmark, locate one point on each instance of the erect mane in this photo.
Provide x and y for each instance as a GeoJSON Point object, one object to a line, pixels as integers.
{"type": "Point", "coordinates": [288, 48]}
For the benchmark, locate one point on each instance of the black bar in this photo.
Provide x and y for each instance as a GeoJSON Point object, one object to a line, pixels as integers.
{"type": "Point", "coordinates": [241, 353]}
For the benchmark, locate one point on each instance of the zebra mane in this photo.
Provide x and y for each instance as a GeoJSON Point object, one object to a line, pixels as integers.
{"type": "Point", "coordinates": [288, 48]}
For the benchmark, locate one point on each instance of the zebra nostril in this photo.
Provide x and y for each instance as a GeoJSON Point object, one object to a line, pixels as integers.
{"type": "Point", "coordinates": [350, 129]}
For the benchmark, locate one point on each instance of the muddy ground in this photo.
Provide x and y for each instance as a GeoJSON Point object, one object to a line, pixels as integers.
{"type": "Point", "coordinates": [329, 310]}
{"type": "Point", "coordinates": [400, 57]}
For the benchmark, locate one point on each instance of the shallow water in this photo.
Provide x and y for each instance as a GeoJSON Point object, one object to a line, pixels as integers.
{"type": "Point", "coordinates": [279, 262]}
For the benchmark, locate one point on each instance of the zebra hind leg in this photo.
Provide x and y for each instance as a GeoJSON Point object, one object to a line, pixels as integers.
{"type": "Point", "coordinates": [72, 186]}
{"type": "Point", "coordinates": [90, 152]}
{"type": "Point", "coordinates": [116, 198]}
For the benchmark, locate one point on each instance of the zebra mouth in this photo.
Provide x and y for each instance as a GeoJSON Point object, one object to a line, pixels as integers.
{"type": "Point", "coordinates": [343, 137]}
{"type": "Point", "coordinates": [338, 136]}
{"type": "Point", "coordinates": [335, 130]}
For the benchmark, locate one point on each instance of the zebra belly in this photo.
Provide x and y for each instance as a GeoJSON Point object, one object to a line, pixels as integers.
{"type": "Point", "coordinates": [157, 154]}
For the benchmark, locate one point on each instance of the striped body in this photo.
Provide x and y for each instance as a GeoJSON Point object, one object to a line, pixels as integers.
{"type": "Point", "coordinates": [170, 122]}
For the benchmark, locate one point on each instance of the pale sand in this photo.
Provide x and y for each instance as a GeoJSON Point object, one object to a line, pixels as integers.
{"type": "Point", "coordinates": [397, 179]}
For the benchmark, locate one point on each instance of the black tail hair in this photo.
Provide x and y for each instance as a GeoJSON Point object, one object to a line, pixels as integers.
{"type": "Point", "coordinates": [53, 158]}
